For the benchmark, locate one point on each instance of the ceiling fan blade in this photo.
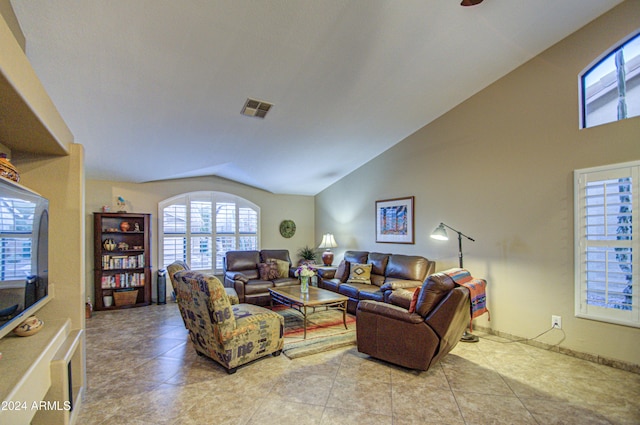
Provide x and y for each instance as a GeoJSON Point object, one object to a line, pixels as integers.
{"type": "Point", "coordinates": [470, 2]}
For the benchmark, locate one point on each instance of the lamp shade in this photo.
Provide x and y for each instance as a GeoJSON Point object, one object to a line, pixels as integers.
{"type": "Point", "coordinates": [328, 241]}
{"type": "Point", "coordinates": [440, 233]}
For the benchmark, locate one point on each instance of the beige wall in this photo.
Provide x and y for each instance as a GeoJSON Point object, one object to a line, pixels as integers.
{"type": "Point", "coordinates": [61, 180]}
{"type": "Point", "coordinates": [6, 10]}
{"type": "Point", "coordinates": [144, 198]}
{"type": "Point", "coordinates": [499, 168]}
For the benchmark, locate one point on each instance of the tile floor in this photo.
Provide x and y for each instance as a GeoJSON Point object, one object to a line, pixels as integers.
{"type": "Point", "coordinates": [142, 371]}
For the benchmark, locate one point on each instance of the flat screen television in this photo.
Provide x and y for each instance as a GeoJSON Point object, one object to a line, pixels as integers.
{"type": "Point", "coordinates": [24, 254]}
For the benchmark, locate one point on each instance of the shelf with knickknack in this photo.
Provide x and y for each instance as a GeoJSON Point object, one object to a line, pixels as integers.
{"type": "Point", "coordinates": [122, 260]}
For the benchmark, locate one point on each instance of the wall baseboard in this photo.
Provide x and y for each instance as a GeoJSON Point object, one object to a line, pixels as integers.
{"type": "Point", "coordinates": [618, 364]}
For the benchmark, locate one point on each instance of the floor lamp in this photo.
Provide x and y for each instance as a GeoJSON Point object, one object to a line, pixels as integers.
{"type": "Point", "coordinates": [440, 233]}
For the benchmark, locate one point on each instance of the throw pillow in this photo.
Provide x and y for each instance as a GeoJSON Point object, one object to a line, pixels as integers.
{"type": "Point", "coordinates": [283, 268]}
{"type": "Point", "coordinates": [268, 271]}
{"type": "Point", "coordinates": [414, 300]}
{"type": "Point", "coordinates": [342, 274]}
{"type": "Point", "coordinates": [360, 273]}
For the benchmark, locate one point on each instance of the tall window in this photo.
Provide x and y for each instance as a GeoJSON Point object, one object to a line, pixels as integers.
{"type": "Point", "coordinates": [200, 227]}
{"type": "Point", "coordinates": [606, 204]}
{"type": "Point", "coordinates": [610, 88]}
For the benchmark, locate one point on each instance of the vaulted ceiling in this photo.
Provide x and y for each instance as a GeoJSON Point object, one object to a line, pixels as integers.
{"type": "Point", "coordinates": [153, 89]}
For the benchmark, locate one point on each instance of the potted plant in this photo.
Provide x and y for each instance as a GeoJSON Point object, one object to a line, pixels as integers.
{"type": "Point", "coordinates": [307, 255]}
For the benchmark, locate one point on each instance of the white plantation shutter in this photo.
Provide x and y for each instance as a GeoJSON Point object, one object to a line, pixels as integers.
{"type": "Point", "coordinates": [173, 249]}
{"type": "Point", "coordinates": [225, 225]}
{"type": "Point", "coordinates": [199, 227]}
{"type": "Point", "coordinates": [248, 220]}
{"type": "Point", "coordinates": [248, 229]}
{"type": "Point", "coordinates": [16, 225]}
{"type": "Point", "coordinates": [201, 216]}
{"type": "Point", "coordinates": [606, 205]}
{"type": "Point", "coordinates": [174, 218]}
{"type": "Point", "coordinates": [201, 253]}
{"type": "Point", "coordinates": [225, 217]}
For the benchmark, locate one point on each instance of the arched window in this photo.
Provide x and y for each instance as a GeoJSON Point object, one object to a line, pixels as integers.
{"type": "Point", "coordinates": [200, 227]}
{"type": "Point", "coordinates": [610, 86]}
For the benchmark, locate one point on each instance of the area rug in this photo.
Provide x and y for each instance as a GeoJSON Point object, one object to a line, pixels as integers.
{"type": "Point", "coordinates": [325, 332]}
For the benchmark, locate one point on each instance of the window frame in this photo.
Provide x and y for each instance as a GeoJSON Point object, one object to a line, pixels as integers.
{"type": "Point", "coordinates": [214, 197]}
{"type": "Point", "coordinates": [583, 309]}
{"type": "Point", "coordinates": [582, 107]}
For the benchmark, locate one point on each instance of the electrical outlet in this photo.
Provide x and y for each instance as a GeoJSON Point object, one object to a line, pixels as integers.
{"type": "Point", "coordinates": [556, 322]}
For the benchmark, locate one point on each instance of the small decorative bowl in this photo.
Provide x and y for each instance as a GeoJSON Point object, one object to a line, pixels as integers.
{"type": "Point", "coordinates": [7, 170]}
{"type": "Point", "coordinates": [29, 327]}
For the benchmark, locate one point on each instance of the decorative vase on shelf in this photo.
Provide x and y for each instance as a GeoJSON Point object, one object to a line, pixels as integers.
{"type": "Point", "coordinates": [304, 284]}
{"type": "Point", "coordinates": [7, 170]}
{"type": "Point", "coordinates": [109, 245]}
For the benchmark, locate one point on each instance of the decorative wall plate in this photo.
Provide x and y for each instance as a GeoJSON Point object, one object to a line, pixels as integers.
{"type": "Point", "coordinates": [287, 228]}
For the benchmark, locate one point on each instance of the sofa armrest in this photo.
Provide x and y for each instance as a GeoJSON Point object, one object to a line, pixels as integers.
{"type": "Point", "coordinates": [238, 276]}
{"type": "Point", "coordinates": [326, 274]}
{"type": "Point", "coordinates": [399, 284]}
{"type": "Point", "coordinates": [388, 311]}
{"type": "Point", "coordinates": [401, 297]}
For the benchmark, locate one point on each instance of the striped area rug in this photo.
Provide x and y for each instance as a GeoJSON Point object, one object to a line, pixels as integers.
{"type": "Point", "coordinates": [325, 331]}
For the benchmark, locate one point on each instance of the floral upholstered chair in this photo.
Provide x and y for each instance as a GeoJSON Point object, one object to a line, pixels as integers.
{"type": "Point", "coordinates": [178, 266]}
{"type": "Point", "coordinates": [230, 334]}
{"type": "Point", "coordinates": [175, 267]}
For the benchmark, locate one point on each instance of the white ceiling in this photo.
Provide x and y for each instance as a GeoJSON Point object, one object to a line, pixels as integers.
{"type": "Point", "coordinates": [153, 88]}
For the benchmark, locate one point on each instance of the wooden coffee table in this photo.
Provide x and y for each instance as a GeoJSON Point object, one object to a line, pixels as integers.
{"type": "Point", "coordinates": [316, 297]}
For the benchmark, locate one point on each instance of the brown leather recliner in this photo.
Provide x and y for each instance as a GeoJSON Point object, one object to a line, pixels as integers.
{"type": "Point", "coordinates": [416, 340]}
{"type": "Point", "coordinates": [241, 272]}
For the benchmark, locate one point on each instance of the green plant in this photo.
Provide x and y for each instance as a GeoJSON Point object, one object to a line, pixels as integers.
{"type": "Point", "coordinates": [307, 253]}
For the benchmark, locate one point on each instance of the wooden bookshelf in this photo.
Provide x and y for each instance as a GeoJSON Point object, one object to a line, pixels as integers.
{"type": "Point", "coordinates": [122, 260]}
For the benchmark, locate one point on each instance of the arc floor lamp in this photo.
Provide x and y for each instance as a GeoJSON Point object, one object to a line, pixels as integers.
{"type": "Point", "coordinates": [440, 233]}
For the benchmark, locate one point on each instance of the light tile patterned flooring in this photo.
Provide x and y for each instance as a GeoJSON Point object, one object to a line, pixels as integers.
{"type": "Point", "coordinates": [142, 371]}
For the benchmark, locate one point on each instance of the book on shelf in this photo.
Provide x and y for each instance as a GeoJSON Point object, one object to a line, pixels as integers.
{"type": "Point", "coordinates": [122, 280]}
{"type": "Point", "coordinates": [111, 262]}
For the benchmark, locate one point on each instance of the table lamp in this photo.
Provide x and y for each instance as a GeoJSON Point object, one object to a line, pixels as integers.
{"type": "Point", "coordinates": [328, 242]}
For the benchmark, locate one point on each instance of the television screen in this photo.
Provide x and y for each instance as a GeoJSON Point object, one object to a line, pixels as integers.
{"type": "Point", "coordinates": [24, 260]}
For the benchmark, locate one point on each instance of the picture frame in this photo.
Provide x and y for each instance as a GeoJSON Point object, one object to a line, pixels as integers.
{"type": "Point", "coordinates": [394, 220]}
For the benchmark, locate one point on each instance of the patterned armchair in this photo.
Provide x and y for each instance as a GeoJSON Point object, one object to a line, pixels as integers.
{"type": "Point", "coordinates": [174, 268]}
{"type": "Point", "coordinates": [230, 334]}
{"type": "Point", "coordinates": [178, 266]}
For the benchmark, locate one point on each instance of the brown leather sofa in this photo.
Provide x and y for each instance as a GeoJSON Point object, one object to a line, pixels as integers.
{"type": "Point", "coordinates": [418, 339]}
{"type": "Point", "coordinates": [389, 272]}
{"type": "Point", "coordinates": [241, 272]}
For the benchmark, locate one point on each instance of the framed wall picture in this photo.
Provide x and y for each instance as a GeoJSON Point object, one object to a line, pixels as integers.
{"type": "Point", "coordinates": [394, 220]}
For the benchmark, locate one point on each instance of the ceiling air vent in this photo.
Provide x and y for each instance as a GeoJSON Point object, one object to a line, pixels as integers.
{"type": "Point", "coordinates": [256, 108]}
